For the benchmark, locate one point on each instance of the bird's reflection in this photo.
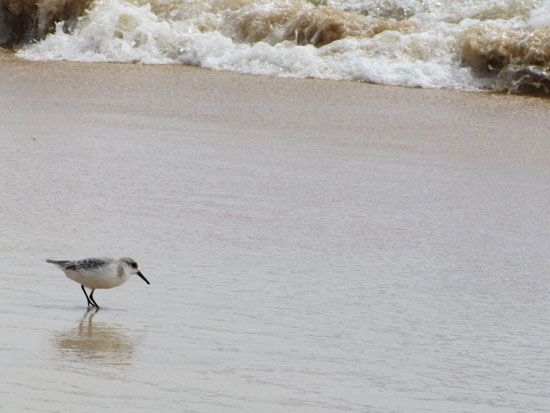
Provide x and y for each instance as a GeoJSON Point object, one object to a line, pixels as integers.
{"type": "Point", "coordinates": [96, 341]}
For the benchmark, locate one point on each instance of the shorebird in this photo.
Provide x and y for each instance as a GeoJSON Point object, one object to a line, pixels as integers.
{"type": "Point", "coordinates": [97, 273]}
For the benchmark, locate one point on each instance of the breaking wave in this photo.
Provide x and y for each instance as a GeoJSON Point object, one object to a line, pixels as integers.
{"type": "Point", "coordinates": [499, 45]}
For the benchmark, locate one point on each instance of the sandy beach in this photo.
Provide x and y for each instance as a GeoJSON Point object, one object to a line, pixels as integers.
{"type": "Point", "coordinates": [312, 245]}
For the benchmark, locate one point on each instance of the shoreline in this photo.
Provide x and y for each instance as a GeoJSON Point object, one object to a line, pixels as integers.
{"type": "Point", "coordinates": [9, 55]}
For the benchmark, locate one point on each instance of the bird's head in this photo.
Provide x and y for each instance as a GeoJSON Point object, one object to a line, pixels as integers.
{"type": "Point", "coordinates": [131, 267]}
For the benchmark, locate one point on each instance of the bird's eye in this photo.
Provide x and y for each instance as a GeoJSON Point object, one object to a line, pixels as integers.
{"type": "Point", "coordinates": [134, 265]}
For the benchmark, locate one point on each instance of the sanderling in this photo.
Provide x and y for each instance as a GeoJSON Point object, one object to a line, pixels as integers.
{"type": "Point", "coordinates": [99, 273]}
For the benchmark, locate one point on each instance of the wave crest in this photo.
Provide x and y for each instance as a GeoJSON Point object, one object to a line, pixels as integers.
{"type": "Point", "coordinates": [317, 26]}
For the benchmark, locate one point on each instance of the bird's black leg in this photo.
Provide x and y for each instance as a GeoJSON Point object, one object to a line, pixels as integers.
{"type": "Point", "coordinates": [87, 299]}
{"type": "Point", "coordinates": [92, 298]}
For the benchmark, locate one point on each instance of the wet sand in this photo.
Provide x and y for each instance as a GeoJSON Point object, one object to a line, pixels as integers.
{"type": "Point", "coordinates": [311, 245]}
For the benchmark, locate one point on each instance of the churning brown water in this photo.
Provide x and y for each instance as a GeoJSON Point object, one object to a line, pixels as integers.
{"type": "Point", "coordinates": [311, 245]}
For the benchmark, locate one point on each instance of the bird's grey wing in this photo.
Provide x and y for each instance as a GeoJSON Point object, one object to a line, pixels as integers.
{"type": "Point", "coordinates": [87, 263]}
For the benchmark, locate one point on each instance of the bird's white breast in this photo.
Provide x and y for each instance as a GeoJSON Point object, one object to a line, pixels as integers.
{"type": "Point", "coordinates": [105, 276]}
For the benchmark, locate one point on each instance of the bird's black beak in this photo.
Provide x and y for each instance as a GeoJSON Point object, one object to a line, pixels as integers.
{"type": "Point", "coordinates": [143, 277]}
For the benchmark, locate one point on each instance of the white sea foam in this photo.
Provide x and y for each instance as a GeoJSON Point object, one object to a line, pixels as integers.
{"type": "Point", "coordinates": [540, 17]}
{"type": "Point", "coordinates": [399, 42]}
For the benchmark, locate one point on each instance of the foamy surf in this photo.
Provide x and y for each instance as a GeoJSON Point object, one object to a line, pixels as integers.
{"type": "Point", "coordinates": [473, 45]}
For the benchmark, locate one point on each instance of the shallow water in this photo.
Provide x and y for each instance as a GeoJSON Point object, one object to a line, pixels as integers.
{"type": "Point", "coordinates": [357, 267]}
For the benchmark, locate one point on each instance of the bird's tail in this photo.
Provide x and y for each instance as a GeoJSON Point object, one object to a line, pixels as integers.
{"type": "Point", "coordinates": [60, 264]}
